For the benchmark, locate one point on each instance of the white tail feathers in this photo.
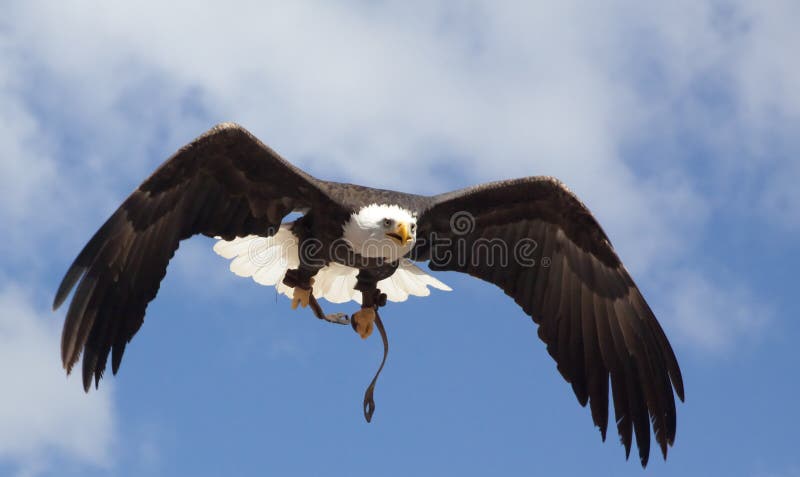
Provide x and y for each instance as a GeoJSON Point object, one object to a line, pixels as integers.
{"type": "Point", "coordinates": [266, 260]}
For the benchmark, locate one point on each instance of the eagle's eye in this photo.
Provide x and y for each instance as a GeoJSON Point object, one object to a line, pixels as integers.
{"type": "Point", "coordinates": [387, 222]}
{"type": "Point", "coordinates": [413, 228]}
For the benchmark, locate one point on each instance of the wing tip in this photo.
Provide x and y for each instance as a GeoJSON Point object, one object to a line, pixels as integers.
{"type": "Point", "coordinates": [67, 284]}
{"type": "Point", "coordinates": [677, 384]}
{"type": "Point", "coordinates": [89, 371]}
{"type": "Point", "coordinates": [663, 446]}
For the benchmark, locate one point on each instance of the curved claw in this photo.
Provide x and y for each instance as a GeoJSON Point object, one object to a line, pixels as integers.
{"type": "Point", "coordinates": [363, 321]}
{"type": "Point", "coordinates": [300, 297]}
{"type": "Point", "coordinates": [338, 318]}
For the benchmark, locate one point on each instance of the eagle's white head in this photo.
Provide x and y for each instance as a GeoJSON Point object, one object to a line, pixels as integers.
{"type": "Point", "coordinates": [380, 230]}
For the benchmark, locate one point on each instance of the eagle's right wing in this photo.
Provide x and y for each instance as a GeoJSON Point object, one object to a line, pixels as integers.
{"type": "Point", "coordinates": [225, 183]}
{"type": "Point", "coordinates": [536, 241]}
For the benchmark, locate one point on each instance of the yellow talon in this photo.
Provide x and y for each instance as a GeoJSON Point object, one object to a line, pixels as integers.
{"type": "Point", "coordinates": [300, 297]}
{"type": "Point", "coordinates": [364, 320]}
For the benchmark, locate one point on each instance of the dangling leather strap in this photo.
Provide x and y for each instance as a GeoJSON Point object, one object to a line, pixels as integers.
{"type": "Point", "coordinates": [376, 299]}
{"type": "Point", "coordinates": [369, 402]}
{"type": "Point", "coordinates": [314, 304]}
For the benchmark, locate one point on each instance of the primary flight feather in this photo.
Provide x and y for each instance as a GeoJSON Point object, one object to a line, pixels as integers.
{"type": "Point", "coordinates": [531, 237]}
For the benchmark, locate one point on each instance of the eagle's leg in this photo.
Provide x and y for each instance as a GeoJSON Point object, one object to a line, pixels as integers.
{"type": "Point", "coordinates": [301, 296]}
{"type": "Point", "coordinates": [363, 321]}
{"type": "Point", "coordinates": [301, 280]}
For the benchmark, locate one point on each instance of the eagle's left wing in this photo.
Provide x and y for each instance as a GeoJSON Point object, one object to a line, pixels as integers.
{"type": "Point", "coordinates": [225, 183]}
{"type": "Point", "coordinates": [534, 239]}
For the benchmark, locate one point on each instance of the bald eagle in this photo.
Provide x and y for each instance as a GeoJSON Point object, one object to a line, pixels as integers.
{"type": "Point", "coordinates": [531, 237]}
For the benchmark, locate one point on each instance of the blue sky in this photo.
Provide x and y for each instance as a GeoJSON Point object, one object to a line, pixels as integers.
{"type": "Point", "coordinates": [677, 125]}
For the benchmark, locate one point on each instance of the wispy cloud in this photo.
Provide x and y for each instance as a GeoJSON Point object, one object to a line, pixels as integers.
{"type": "Point", "coordinates": [42, 416]}
{"type": "Point", "coordinates": [353, 92]}
{"type": "Point", "coordinates": [350, 93]}
{"type": "Point", "coordinates": [392, 94]}
{"type": "Point", "coordinates": [715, 317]}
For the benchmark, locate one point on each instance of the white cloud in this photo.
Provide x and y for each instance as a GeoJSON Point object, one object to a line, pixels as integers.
{"type": "Point", "coordinates": [367, 91]}
{"type": "Point", "coordinates": [766, 76]}
{"type": "Point", "coordinates": [781, 199]}
{"type": "Point", "coordinates": [352, 91]}
{"type": "Point", "coordinates": [26, 167]}
{"type": "Point", "coordinates": [44, 417]}
{"type": "Point", "coordinates": [714, 317]}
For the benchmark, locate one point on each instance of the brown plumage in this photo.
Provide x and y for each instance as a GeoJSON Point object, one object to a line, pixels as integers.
{"type": "Point", "coordinates": [591, 315]}
{"type": "Point", "coordinates": [559, 266]}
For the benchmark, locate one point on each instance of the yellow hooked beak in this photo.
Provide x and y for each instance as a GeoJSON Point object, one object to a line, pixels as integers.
{"type": "Point", "coordinates": [401, 233]}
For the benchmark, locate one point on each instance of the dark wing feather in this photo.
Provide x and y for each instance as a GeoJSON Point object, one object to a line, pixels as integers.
{"type": "Point", "coordinates": [225, 183]}
{"type": "Point", "coordinates": [595, 322]}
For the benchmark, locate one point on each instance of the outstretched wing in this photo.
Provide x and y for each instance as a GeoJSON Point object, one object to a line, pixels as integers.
{"type": "Point", "coordinates": [225, 183]}
{"type": "Point", "coordinates": [534, 239]}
